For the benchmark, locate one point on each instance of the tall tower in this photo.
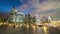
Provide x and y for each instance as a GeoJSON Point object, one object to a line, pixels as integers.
{"type": "Point", "coordinates": [12, 14]}
{"type": "Point", "coordinates": [13, 10]}
{"type": "Point", "coordinates": [37, 18]}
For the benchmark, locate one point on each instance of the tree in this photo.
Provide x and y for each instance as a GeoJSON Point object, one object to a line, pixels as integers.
{"type": "Point", "coordinates": [1, 19]}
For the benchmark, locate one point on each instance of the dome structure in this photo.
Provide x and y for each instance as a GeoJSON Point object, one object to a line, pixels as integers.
{"type": "Point", "coordinates": [18, 12]}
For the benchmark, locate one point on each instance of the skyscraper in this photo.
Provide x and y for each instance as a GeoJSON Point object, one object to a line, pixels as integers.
{"type": "Point", "coordinates": [15, 16]}
{"type": "Point", "coordinates": [37, 18]}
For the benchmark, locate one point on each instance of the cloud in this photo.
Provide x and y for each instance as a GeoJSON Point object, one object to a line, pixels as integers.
{"type": "Point", "coordinates": [43, 6]}
{"type": "Point", "coordinates": [40, 6]}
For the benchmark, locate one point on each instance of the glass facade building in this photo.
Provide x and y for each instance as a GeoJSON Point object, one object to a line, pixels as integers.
{"type": "Point", "coordinates": [16, 16]}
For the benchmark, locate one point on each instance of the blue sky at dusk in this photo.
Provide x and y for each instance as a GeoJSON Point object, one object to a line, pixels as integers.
{"type": "Point", "coordinates": [42, 7]}
{"type": "Point", "coordinates": [6, 5]}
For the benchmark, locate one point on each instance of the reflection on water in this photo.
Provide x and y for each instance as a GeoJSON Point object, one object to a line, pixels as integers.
{"type": "Point", "coordinates": [45, 29]}
{"type": "Point", "coordinates": [21, 30]}
{"type": "Point", "coordinates": [27, 30]}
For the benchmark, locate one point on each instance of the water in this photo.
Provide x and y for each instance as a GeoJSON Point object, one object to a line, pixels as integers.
{"type": "Point", "coordinates": [30, 30]}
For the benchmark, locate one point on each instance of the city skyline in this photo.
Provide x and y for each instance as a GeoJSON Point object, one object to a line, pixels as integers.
{"type": "Point", "coordinates": [29, 16]}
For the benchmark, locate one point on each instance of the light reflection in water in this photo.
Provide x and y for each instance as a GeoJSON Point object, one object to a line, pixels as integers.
{"type": "Point", "coordinates": [34, 29]}
{"type": "Point", "coordinates": [27, 26]}
{"type": "Point", "coordinates": [45, 29]}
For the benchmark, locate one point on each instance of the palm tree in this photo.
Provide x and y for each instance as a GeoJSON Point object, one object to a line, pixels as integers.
{"type": "Point", "coordinates": [1, 19]}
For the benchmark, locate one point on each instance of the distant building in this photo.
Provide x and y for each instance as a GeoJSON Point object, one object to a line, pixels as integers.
{"type": "Point", "coordinates": [49, 18]}
{"type": "Point", "coordinates": [16, 16]}
{"type": "Point", "coordinates": [34, 19]}
{"type": "Point", "coordinates": [37, 18]}
{"type": "Point", "coordinates": [28, 18]}
{"type": "Point", "coordinates": [46, 19]}
{"type": "Point", "coordinates": [43, 19]}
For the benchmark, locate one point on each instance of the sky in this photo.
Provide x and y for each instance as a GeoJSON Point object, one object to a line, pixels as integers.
{"type": "Point", "coordinates": [6, 5]}
{"type": "Point", "coordinates": [40, 7]}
